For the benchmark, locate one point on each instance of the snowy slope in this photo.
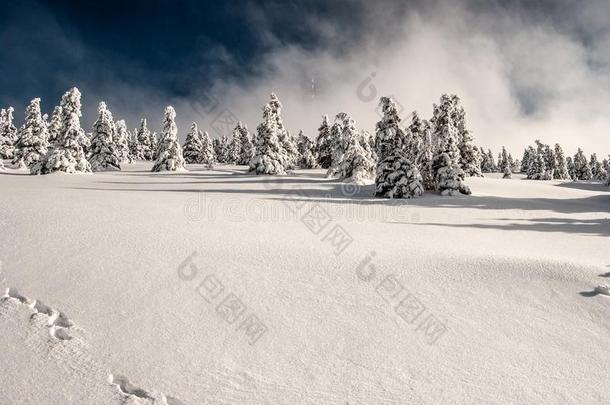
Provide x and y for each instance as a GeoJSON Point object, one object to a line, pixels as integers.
{"type": "Point", "coordinates": [487, 298]}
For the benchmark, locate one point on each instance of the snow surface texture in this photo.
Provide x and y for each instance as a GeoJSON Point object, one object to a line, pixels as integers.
{"type": "Point", "coordinates": [509, 274]}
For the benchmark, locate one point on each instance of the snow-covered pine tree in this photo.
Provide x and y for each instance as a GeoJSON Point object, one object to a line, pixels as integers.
{"type": "Point", "coordinates": [32, 144]}
{"type": "Point", "coordinates": [217, 149]}
{"type": "Point", "coordinates": [55, 125]}
{"type": "Point", "coordinates": [356, 164]}
{"type": "Point", "coordinates": [338, 145]}
{"type": "Point", "coordinates": [323, 144]}
{"type": "Point", "coordinates": [525, 161]}
{"type": "Point", "coordinates": [134, 146]}
{"type": "Point", "coordinates": [223, 153]}
{"type": "Point", "coordinates": [104, 151]}
{"type": "Point", "coordinates": [234, 147]}
{"type": "Point", "coordinates": [507, 172]}
{"type": "Point", "coordinates": [170, 153]}
{"type": "Point", "coordinates": [143, 140]}
{"type": "Point", "coordinates": [154, 145]}
{"type": "Point", "coordinates": [571, 168]}
{"type": "Point", "coordinates": [246, 153]}
{"type": "Point", "coordinates": [8, 133]}
{"type": "Point", "coordinates": [582, 171]}
{"type": "Point", "coordinates": [447, 172]}
{"type": "Point", "coordinates": [367, 141]}
{"type": "Point", "coordinates": [470, 158]}
{"type": "Point", "coordinates": [268, 158]}
{"type": "Point", "coordinates": [67, 153]}
{"type": "Point", "coordinates": [550, 162]}
{"type": "Point", "coordinates": [193, 145]}
{"type": "Point", "coordinates": [597, 170]}
{"type": "Point", "coordinates": [502, 159]}
{"type": "Point", "coordinates": [290, 154]}
{"type": "Point", "coordinates": [414, 138]}
{"type": "Point", "coordinates": [561, 168]}
{"type": "Point", "coordinates": [121, 142]}
{"type": "Point", "coordinates": [493, 167]}
{"type": "Point", "coordinates": [305, 147]}
{"type": "Point", "coordinates": [537, 168]}
{"type": "Point", "coordinates": [516, 166]}
{"type": "Point", "coordinates": [208, 156]}
{"type": "Point", "coordinates": [396, 176]}
{"type": "Point", "coordinates": [426, 158]}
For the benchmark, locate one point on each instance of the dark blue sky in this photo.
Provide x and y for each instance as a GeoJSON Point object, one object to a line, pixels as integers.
{"type": "Point", "coordinates": [49, 46]}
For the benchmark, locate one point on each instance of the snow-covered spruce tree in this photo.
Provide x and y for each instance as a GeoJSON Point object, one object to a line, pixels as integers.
{"type": "Point", "coordinates": [208, 156]}
{"type": "Point", "coordinates": [470, 158]}
{"type": "Point", "coordinates": [8, 133]}
{"type": "Point", "coordinates": [447, 172]}
{"type": "Point", "coordinates": [217, 149]}
{"type": "Point", "coordinates": [55, 125]}
{"type": "Point", "coordinates": [487, 162]}
{"type": "Point", "coordinates": [356, 164]}
{"type": "Point", "coordinates": [134, 145]}
{"type": "Point", "coordinates": [222, 154]}
{"type": "Point", "coordinates": [143, 142]}
{"type": "Point", "coordinates": [597, 170]}
{"type": "Point", "coordinates": [154, 145]}
{"type": "Point", "coordinates": [607, 166]}
{"type": "Point", "coordinates": [396, 176]}
{"type": "Point", "coordinates": [246, 152]}
{"type": "Point", "coordinates": [507, 172]}
{"type": "Point", "coordinates": [550, 162]}
{"type": "Point", "coordinates": [525, 160]}
{"type": "Point", "coordinates": [121, 142]}
{"type": "Point", "coordinates": [338, 145]}
{"type": "Point", "coordinates": [32, 144]}
{"type": "Point", "coordinates": [493, 167]}
{"type": "Point", "coordinates": [414, 138]}
{"type": "Point", "coordinates": [502, 159]}
{"type": "Point", "coordinates": [170, 153]}
{"type": "Point", "coordinates": [193, 145]}
{"type": "Point", "coordinates": [234, 147]}
{"type": "Point", "coordinates": [426, 158]}
{"type": "Point", "coordinates": [561, 167]}
{"type": "Point", "coordinates": [537, 168]}
{"type": "Point", "coordinates": [305, 147]}
{"type": "Point", "coordinates": [290, 154]}
{"type": "Point", "coordinates": [268, 158]}
{"type": "Point", "coordinates": [67, 154]}
{"type": "Point", "coordinates": [582, 171]}
{"type": "Point", "coordinates": [367, 141]}
{"type": "Point", "coordinates": [104, 151]}
{"type": "Point", "coordinates": [323, 144]}
{"type": "Point", "coordinates": [571, 168]}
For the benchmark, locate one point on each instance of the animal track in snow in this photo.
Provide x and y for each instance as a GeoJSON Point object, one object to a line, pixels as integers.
{"type": "Point", "coordinates": [57, 322]}
{"type": "Point", "coordinates": [130, 390]}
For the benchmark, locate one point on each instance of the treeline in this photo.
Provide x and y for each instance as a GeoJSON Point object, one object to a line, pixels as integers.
{"type": "Point", "coordinates": [404, 159]}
